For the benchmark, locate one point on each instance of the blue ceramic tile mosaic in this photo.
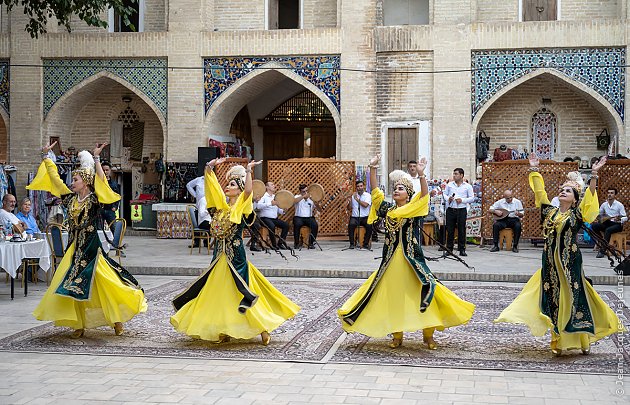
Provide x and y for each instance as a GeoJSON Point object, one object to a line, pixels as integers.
{"type": "Point", "coordinates": [322, 71]}
{"type": "Point", "coordinates": [601, 69]}
{"type": "Point", "coordinates": [148, 75]}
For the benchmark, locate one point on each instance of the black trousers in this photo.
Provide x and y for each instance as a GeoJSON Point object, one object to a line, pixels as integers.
{"type": "Point", "coordinates": [509, 222]}
{"type": "Point", "coordinates": [272, 223]}
{"type": "Point", "coordinates": [352, 226]}
{"type": "Point", "coordinates": [607, 228]}
{"type": "Point", "coordinates": [299, 222]}
{"type": "Point", "coordinates": [204, 225]}
{"type": "Point", "coordinates": [456, 217]}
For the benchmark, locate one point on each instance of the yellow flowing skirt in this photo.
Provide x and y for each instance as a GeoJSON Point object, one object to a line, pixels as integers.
{"type": "Point", "coordinates": [525, 309]}
{"type": "Point", "coordinates": [214, 311]}
{"type": "Point", "coordinates": [395, 304]}
{"type": "Point", "coordinates": [110, 300]}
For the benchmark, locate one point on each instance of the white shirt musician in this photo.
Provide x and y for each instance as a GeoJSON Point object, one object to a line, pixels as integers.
{"type": "Point", "coordinates": [612, 216]}
{"type": "Point", "coordinates": [507, 212]}
{"type": "Point", "coordinates": [268, 211]}
{"type": "Point", "coordinates": [196, 188]}
{"type": "Point", "coordinates": [360, 202]}
{"type": "Point", "coordinates": [304, 216]}
{"type": "Point", "coordinates": [458, 195]}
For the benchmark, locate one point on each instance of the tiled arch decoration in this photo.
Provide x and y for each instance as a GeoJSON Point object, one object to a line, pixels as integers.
{"type": "Point", "coordinates": [147, 75]}
{"type": "Point", "coordinates": [321, 71]}
{"type": "Point", "coordinates": [601, 69]}
{"type": "Point", "coordinates": [4, 86]}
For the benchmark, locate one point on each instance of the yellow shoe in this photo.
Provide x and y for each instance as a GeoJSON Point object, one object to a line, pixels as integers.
{"type": "Point", "coordinates": [554, 348]}
{"type": "Point", "coordinates": [77, 333]}
{"type": "Point", "coordinates": [427, 337]}
{"type": "Point", "coordinates": [397, 339]}
{"type": "Point", "coordinates": [266, 338]}
{"type": "Point", "coordinates": [586, 350]}
{"type": "Point", "coordinates": [118, 328]}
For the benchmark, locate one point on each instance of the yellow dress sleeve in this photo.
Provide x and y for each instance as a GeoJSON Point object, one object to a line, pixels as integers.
{"type": "Point", "coordinates": [537, 185]}
{"type": "Point", "coordinates": [243, 206]}
{"type": "Point", "coordinates": [47, 179]}
{"type": "Point", "coordinates": [215, 198]}
{"type": "Point", "coordinates": [589, 206]}
{"type": "Point", "coordinates": [377, 198]}
{"type": "Point", "coordinates": [103, 192]}
{"type": "Point", "coordinates": [417, 207]}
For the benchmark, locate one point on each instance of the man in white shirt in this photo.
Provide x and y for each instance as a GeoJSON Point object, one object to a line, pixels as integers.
{"type": "Point", "coordinates": [7, 218]}
{"type": "Point", "coordinates": [196, 188]}
{"type": "Point", "coordinates": [510, 210]}
{"type": "Point", "coordinates": [458, 194]}
{"type": "Point", "coordinates": [360, 203]}
{"type": "Point", "coordinates": [304, 216]}
{"type": "Point", "coordinates": [412, 169]}
{"type": "Point", "coordinates": [612, 216]}
{"type": "Point", "coordinates": [268, 211]}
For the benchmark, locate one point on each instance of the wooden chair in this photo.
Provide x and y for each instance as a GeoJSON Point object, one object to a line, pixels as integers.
{"type": "Point", "coordinates": [506, 235]}
{"type": "Point", "coordinates": [619, 241]}
{"type": "Point", "coordinates": [429, 228]}
{"type": "Point", "coordinates": [54, 236]}
{"type": "Point", "coordinates": [196, 232]}
{"type": "Point", "coordinates": [118, 228]}
{"type": "Point", "coordinates": [305, 233]}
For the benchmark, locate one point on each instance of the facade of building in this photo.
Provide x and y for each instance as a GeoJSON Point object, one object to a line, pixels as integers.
{"type": "Point", "coordinates": [348, 78]}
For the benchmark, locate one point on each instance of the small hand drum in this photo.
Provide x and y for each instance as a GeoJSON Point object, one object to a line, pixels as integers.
{"type": "Point", "coordinates": [259, 188]}
{"type": "Point", "coordinates": [316, 191]}
{"type": "Point", "coordinates": [284, 199]}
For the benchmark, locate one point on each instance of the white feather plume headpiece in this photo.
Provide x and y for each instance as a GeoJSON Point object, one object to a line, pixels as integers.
{"type": "Point", "coordinates": [397, 177]}
{"type": "Point", "coordinates": [574, 180]}
{"type": "Point", "coordinates": [86, 168]}
{"type": "Point", "coordinates": [237, 173]}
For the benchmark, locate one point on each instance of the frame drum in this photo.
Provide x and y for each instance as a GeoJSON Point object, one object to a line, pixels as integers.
{"type": "Point", "coordinates": [285, 199]}
{"type": "Point", "coordinates": [316, 191]}
{"type": "Point", "coordinates": [259, 188]}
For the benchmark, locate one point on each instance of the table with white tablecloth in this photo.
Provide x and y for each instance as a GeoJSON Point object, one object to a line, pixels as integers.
{"type": "Point", "coordinates": [12, 254]}
{"type": "Point", "coordinates": [101, 235]}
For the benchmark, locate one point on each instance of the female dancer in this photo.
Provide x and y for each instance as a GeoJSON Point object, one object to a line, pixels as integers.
{"type": "Point", "coordinates": [403, 295]}
{"type": "Point", "coordinates": [88, 289]}
{"type": "Point", "coordinates": [557, 296]}
{"type": "Point", "coordinates": [232, 298]}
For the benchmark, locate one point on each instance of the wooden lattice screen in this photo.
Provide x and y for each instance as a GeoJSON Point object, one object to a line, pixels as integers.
{"type": "Point", "coordinates": [615, 173]}
{"type": "Point", "coordinates": [337, 179]}
{"type": "Point", "coordinates": [222, 169]}
{"type": "Point", "coordinates": [499, 176]}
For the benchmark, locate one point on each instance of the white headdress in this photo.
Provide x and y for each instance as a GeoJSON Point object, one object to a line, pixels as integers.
{"type": "Point", "coordinates": [574, 180]}
{"type": "Point", "coordinates": [399, 177]}
{"type": "Point", "coordinates": [86, 168]}
{"type": "Point", "coordinates": [237, 173]}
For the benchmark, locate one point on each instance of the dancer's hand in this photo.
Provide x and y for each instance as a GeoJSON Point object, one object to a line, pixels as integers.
{"type": "Point", "coordinates": [375, 160]}
{"type": "Point", "coordinates": [253, 163]}
{"type": "Point", "coordinates": [422, 164]}
{"type": "Point", "coordinates": [48, 147]}
{"type": "Point", "coordinates": [99, 148]}
{"type": "Point", "coordinates": [533, 160]}
{"type": "Point", "coordinates": [599, 164]}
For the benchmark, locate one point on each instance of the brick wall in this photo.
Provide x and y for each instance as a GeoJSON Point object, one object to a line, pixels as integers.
{"type": "Point", "coordinates": [319, 13]}
{"type": "Point", "coordinates": [239, 15]}
{"type": "Point", "coordinates": [155, 15]}
{"type": "Point", "coordinates": [508, 120]}
{"type": "Point", "coordinates": [4, 142]}
{"type": "Point", "coordinates": [589, 9]}
{"type": "Point", "coordinates": [452, 11]}
{"type": "Point", "coordinates": [494, 11]}
{"type": "Point", "coordinates": [403, 97]}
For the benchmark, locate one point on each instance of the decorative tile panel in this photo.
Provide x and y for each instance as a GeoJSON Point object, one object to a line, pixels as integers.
{"type": "Point", "coordinates": [4, 86]}
{"type": "Point", "coordinates": [148, 75]}
{"type": "Point", "coordinates": [322, 71]}
{"type": "Point", "coordinates": [602, 69]}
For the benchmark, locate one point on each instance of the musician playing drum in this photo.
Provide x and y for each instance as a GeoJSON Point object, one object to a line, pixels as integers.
{"type": "Point", "coordinates": [612, 215]}
{"type": "Point", "coordinates": [268, 213]}
{"type": "Point", "coordinates": [304, 216]}
{"type": "Point", "coordinates": [507, 212]}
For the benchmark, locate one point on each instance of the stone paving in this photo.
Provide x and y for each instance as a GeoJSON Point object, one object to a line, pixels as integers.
{"type": "Point", "coordinates": [38, 378]}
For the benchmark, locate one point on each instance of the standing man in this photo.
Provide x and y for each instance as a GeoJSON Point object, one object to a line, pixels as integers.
{"type": "Point", "coordinates": [268, 211]}
{"type": "Point", "coordinates": [304, 216]}
{"type": "Point", "coordinates": [612, 215]}
{"type": "Point", "coordinates": [512, 220]}
{"type": "Point", "coordinates": [360, 203]}
{"type": "Point", "coordinates": [412, 169]}
{"type": "Point", "coordinates": [197, 189]}
{"type": "Point", "coordinates": [459, 194]}
{"type": "Point", "coordinates": [108, 213]}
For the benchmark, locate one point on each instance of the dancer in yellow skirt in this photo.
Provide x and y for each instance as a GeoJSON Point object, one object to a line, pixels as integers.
{"type": "Point", "coordinates": [402, 295]}
{"type": "Point", "coordinates": [558, 296]}
{"type": "Point", "coordinates": [88, 289]}
{"type": "Point", "coordinates": [232, 298]}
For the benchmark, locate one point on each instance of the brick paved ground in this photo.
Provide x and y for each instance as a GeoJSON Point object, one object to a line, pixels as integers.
{"type": "Point", "coordinates": [37, 378]}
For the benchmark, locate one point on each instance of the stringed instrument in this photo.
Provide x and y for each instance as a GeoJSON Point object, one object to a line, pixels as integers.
{"type": "Point", "coordinates": [501, 213]}
{"type": "Point", "coordinates": [603, 218]}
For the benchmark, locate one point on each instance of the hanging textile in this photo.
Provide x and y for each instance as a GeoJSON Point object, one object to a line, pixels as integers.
{"type": "Point", "coordinates": [544, 133]}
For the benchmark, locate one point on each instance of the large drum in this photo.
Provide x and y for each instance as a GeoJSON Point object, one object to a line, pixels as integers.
{"type": "Point", "coordinates": [259, 189]}
{"type": "Point", "coordinates": [316, 191]}
{"type": "Point", "coordinates": [284, 199]}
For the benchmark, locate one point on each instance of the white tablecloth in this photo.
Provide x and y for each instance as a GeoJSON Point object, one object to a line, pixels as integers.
{"type": "Point", "coordinates": [101, 235]}
{"type": "Point", "coordinates": [12, 253]}
{"type": "Point", "coordinates": [169, 207]}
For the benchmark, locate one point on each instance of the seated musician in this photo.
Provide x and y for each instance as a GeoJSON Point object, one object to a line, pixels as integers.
{"type": "Point", "coordinates": [360, 203]}
{"type": "Point", "coordinates": [268, 213]}
{"type": "Point", "coordinates": [612, 215]}
{"type": "Point", "coordinates": [305, 208]}
{"type": "Point", "coordinates": [507, 213]}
